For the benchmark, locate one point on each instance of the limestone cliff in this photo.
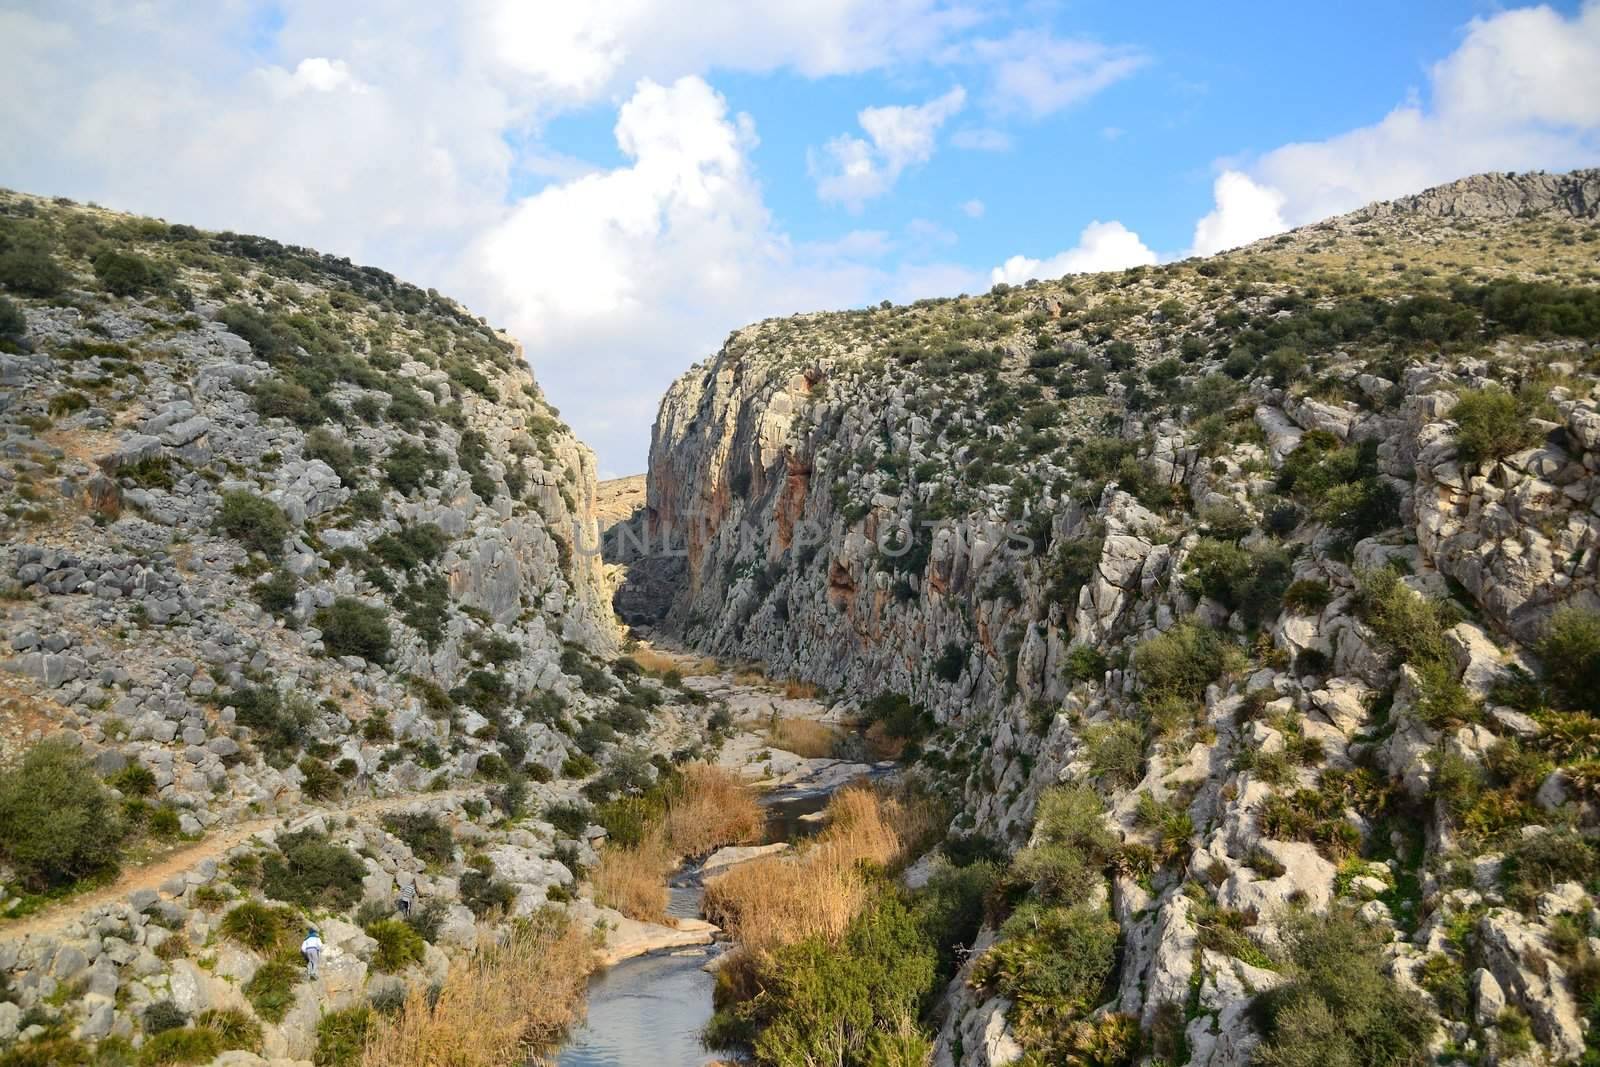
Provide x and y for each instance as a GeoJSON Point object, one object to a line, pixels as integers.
{"type": "Point", "coordinates": [1347, 476]}
{"type": "Point", "coordinates": [256, 497]}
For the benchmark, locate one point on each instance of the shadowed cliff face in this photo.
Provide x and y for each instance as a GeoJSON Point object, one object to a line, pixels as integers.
{"type": "Point", "coordinates": [1232, 448]}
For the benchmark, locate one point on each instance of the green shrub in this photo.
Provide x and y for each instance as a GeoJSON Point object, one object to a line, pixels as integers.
{"type": "Point", "coordinates": [235, 1027]}
{"type": "Point", "coordinates": [570, 819]}
{"type": "Point", "coordinates": [276, 592]}
{"type": "Point", "coordinates": [271, 989]}
{"type": "Point", "coordinates": [52, 1052]}
{"type": "Point", "coordinates": [58, 821]}
{"type": "Point", "coordinates": [1182, 662]}
{"type": "Point", "coordinates": [134, 780]}
{"type": "Point", "coordinates": [32, 272]}
{"type": "Point", "coordinates": [352, 628]}
{"type": "Point", "coordinates": [1339, 1007]}
{"type": "Point", "coordinates": [1085, 663]}
{"type": "Point", "coordinates": [1115, 751]}
{"type": "Point", "coordinates": [322, 443]}
{"type": "Point", "coordinates": [1413, 625]}
{"type": "Point", "coordinates": [409, 467]}
{"type": "Point", "coordinates": [1075, 816]}
{"type": "Point", "coordinates": [1307, 596]}
{"type": "Point", "coordinates": [484, 893]}
{"type": "Point", "coordinates": [310, 871]}
{"type": "Point", "coordinates": [430, 839]}
{"type": "Point", "coordinates": [188, 1045]}
{"type": "Point", "coordinates": [253, 521]}
{"type": "Point", "coordinates": [163, 1015]}
{"type": "Point", "coordinates": [126, 274]}
{"type": "Point", "coordinates": [1054, 964]}
{"type": "Point", "coordinates": [341, 1037]}
{"type": "Point", "coordinates": [260, 927]}
{"type": "Point", "coordinates": [1491, 424]}
{"type": "Point", "coordinates": [1543, 860]}
{"type": "Point", "coordinates": [398, 945]}
{"type": "Point", "coordinates": [822, 1002]}
{"type": "Point", "coordinates": [13, 323]}
{"type": "Point", "coordinates": [277, 398]}
{"type": "Point", "coordinates": [279, 726]}
{"type": "Point", "coordinates": [1250, 581]}
{"type": "Point", "coordinates": [951, 661]}
{"type": "Point", "coordinates": [1570, 649]}
{"type": "Point", "coordinates": [318, 781]}
{"type": "Point", "coordinates": [413, 545]}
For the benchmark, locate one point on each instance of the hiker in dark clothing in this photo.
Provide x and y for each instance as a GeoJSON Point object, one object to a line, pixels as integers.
{"type": "Point", "coordinates": [408, 897]}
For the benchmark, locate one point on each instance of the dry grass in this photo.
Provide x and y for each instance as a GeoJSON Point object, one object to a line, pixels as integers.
{"type": "Point", "coordinates": [795, 689]}
{"type": "Point", "coordinates": [803, 737]}
{"type": "Point", "coordinates": [504, 1005]}
{"type": "Point", "coordinates": [712, 808]}
{"type": "Point", "coordinates": [633, 880]}
{"type": "Point", "coordinates": [653, 662]}
{"type": "Point", "coordinates": [777, 901]}
{"type": "Point", "coordinates": [751, 677]}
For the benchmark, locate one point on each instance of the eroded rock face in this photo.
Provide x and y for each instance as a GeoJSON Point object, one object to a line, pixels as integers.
{"type": "Point", "coordinates": [1077, 506]}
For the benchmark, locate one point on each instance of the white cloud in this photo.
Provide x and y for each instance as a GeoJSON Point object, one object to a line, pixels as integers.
{"type": "Point", "coordinates": [1039, 74]}
{"type": "Point", "coordinates": [1101, 246]}
{"type": "Point", "coordinates": [316, 74]}
{"type": "Point", "coordinates": [1245, 212]}
{"type": "Point", "coordinates": [579, 51]}
{"type": "Point", "coordinates": [982, 139]}
{"type": "Point", "coordinates": [852, 170]}
{"type": "Point", "coordinates": [973, 209]}
{"type": "Point", "coordinates": [398, 134]}
{"type": "Point", "coordinates": [1521, 91]}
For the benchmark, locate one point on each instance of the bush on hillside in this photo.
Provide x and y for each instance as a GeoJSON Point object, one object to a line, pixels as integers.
{"type": "Point", "coordinates": [1053, 963]}
{"type": "Point", "coordinates": [127, 274]}
{"type": "Point", "coordinates": [823, 1002]}
{"type": "Point", "coordinates": [352, 628]}
{"type": "Point", "coordinates": [1491, 424]}
{"type": "Point", "coordinates": [260, 927]}
{"type": "Point", "coordinates": [276, 592]}
{"type": "Point", "coordinates": [1570, 649]}
{"type": "Point", "coordinates": [399, 945]}
{"type": "Point", "coordinates": [13, 323]}
{"type": "Point", "coordinates": [1339, 1007]}
{"type": "Point", "coordinates": [1250, 581]}
{"type": "Point", "coordinates": [271, 989]}
{"type": "Point", "coordinates": [1182, 662]}
{"type": "Point", "coordinates": [309, 870]}
{"type": "Point", "coordinates": [32, 272]}
{"type": "Point", "coordinates": [423, 833]}
{"type": "Point", "coordinates": [255, 522]}
{"type": "Point", "coordinates": [342, 1036]}
{"type": "Point", "coordinates": [58, 821]}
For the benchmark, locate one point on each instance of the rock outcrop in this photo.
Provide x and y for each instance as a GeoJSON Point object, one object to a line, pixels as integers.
{"type": "Point", "coordinates": [1351, 472]}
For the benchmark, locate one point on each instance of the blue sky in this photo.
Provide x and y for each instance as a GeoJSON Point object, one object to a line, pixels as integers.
{"type": "Point", "coordinates": [620, 183]}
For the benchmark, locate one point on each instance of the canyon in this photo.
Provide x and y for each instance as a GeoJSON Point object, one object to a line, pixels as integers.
{"type": "Point", "coordinates": [1214, 605]}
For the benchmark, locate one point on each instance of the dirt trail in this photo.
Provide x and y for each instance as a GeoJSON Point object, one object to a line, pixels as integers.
{"type": "Point", "coordinates": [53, 919]}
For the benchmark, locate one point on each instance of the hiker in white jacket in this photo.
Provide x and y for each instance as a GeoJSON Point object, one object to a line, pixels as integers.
{"type": "Point", "coordinates": [311, 949]}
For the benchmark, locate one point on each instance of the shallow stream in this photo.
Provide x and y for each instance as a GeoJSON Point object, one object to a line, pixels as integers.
{"type": "Point", "coordinates": [650, 1010]}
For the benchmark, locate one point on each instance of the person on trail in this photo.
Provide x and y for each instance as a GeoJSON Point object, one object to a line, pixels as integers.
{"type": "Point", "coordinates": [311, 949]}
{"type": "Point", "coordinates": [408, 896]}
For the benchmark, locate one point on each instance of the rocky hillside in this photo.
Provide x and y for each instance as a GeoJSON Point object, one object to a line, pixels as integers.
{"type": "Point", "coordinates": [1290, 554]}
{"type": "Point", "coordinates": [234, 468]}
{"type": "Point", "coordinates": [297, 614]}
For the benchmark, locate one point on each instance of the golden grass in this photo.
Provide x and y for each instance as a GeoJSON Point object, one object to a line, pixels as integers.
{"type": "Point", "coordinates": [777, 901]}
{"type": "Point", "coordinates": [712, 807]}
{"type": "Point", "coordinates": [505, 1004]}
{"type": "Point", "coordinates": [751, 677]}
{"type": "Point", "coordinates": [633, 879]}
{"type": "Point", "coordinates": [654, 662]}
{"type": "Point", "coordinates": [803, 737]}
{"type": "Point", "coordinates": [795, 689]}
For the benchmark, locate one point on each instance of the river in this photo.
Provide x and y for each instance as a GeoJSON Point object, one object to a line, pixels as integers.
{"type": "Point", "coordinates": [651, 1009]}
